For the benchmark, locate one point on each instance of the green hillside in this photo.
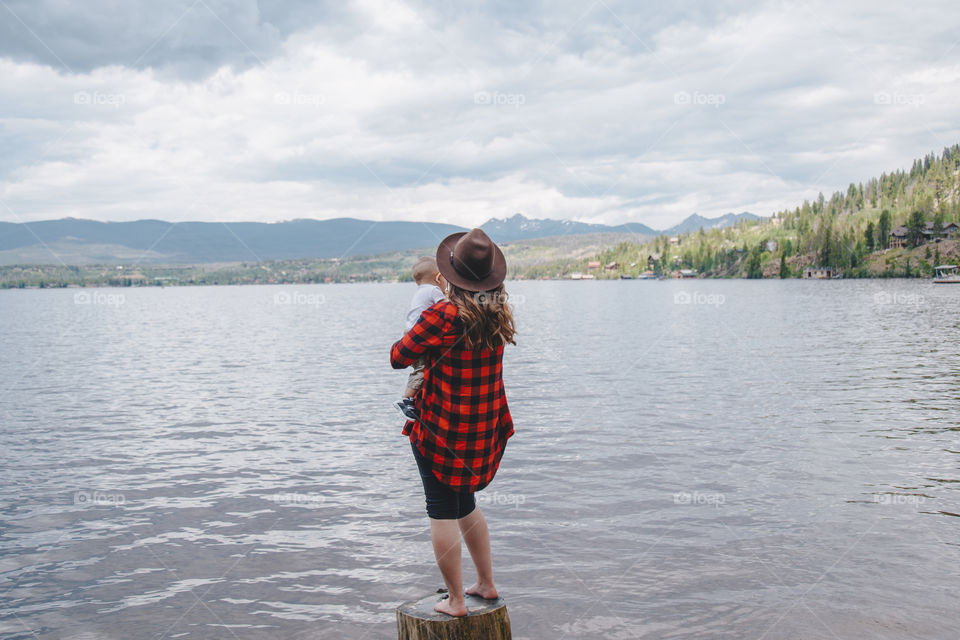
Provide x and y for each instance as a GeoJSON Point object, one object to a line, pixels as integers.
{"type": "Point", "coordinates": [850, 232]}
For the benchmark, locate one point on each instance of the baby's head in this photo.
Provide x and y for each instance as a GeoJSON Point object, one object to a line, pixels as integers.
{"type": "Point", "coordinates": [425, 272]}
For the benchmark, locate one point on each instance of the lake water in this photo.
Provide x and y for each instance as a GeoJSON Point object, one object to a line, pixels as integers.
{"type": "Point", "coordinates": [692, 459]}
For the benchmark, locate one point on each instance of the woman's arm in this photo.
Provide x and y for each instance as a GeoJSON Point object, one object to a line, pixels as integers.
{"type": "Point", "coordinates": [428, 332]}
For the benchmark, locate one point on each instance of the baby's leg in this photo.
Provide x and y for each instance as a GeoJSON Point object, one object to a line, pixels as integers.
{"type": "Point", "coordinates": [415, 380]}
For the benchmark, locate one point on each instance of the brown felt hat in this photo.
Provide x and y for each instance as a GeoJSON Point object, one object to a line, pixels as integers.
{"type": "Point", "coordinates": [471, 261]}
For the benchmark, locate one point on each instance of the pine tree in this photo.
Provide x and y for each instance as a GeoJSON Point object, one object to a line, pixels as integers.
{"type": "Point", "coordinates": [915, 228]}
{"type": "Point", "coordinates": [885, 229]}
{"type": "Point", "coordinates": [826, 248]}
{"type": "Point", "coordinates": [869, 237]}
{"type": "Point", "coordinates": [754, 271]}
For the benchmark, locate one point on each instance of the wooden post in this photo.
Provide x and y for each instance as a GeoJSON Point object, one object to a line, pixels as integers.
{"type": "Point", "coordinates": [485, 620]}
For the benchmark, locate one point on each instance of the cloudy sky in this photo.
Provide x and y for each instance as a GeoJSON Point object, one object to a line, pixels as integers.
{"type": "Point", "coordinates": [599, 111]}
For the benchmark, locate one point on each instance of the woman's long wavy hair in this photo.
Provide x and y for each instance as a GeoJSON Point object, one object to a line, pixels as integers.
{"type": "Point", "coordinates": [487, 318]}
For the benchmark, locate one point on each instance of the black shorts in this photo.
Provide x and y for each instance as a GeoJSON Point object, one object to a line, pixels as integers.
{"type": "Point", "coordinates": [443, 503]}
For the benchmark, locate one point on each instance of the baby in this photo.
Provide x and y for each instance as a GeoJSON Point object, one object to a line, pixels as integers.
{"type": "Point", "coordinates": [430, 286]}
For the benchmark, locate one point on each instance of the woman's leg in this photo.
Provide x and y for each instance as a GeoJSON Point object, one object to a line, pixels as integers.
{"type": "Point", "coordinates": [442, 509]}
{"type": "Point", "coordinates": [477, 536]}
{"type": "Point", "coordinates": [446, 548]}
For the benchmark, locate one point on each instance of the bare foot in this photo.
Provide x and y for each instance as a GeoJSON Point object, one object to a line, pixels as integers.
{"type": "Point", "coordinates": [487, 592]}
{"type": "Point", "coordinates": [444, 606]}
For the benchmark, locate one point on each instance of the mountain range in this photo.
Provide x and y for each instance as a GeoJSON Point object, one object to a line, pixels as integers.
{"type": "Point", "coordinates": [694, 223]}
{"type": "Point", "coordinates": [75, 241]}
{"type": "Point", "coordinates": [519, 227]}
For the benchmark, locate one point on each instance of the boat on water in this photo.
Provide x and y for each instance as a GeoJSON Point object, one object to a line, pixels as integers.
{"type": "Point", "coordinates": [947, 274]}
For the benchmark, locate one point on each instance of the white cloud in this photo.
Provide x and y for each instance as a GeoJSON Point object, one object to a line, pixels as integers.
{"type": "Point", "coordinates": [427, 113]}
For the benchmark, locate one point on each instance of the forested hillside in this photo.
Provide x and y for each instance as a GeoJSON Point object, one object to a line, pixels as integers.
{"type": "Point", "coordinates": [851, 232]}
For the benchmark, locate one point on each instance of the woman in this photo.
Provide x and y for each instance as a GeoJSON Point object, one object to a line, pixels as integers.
{"type": "Point", "coordinates": [464, 421]}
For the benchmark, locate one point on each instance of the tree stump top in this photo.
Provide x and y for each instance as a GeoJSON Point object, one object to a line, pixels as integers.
{"type": "Point", "coordinates": [422, 609]}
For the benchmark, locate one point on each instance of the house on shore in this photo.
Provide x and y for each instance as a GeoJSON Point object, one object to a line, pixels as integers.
{"type": "Point", "coordinates": [593, 264]}
{"type": "Point", "coordinates": [949, 231]}
{"type": "Point", "coordinates": [820, 273]}
{"type": "Point", "coordinates": [898, 237]}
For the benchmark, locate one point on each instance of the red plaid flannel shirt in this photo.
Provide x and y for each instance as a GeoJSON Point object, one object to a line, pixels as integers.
{"type": "Point", "coordinates": [464, 419]}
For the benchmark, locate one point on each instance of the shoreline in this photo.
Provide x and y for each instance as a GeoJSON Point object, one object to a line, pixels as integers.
{"type": "Point", "coordinates": [139, 285]}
